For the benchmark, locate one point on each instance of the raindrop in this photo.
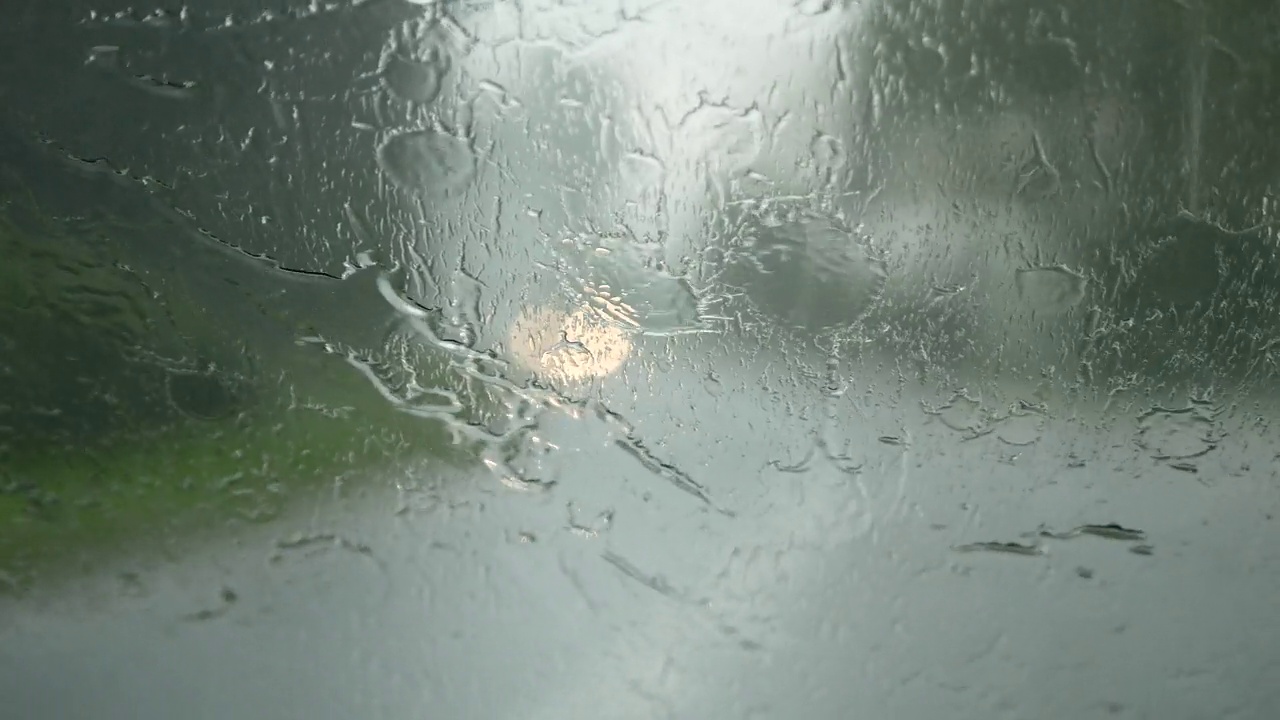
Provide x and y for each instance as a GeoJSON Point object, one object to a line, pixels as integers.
{"type": "Point", "coordinates": [499, 94]}
{"type": "Point", "coordinates": [939, 293]}
{"type": "Point", "coordinates": [828, 152]}
{"type": "Point", "coordinates": [316, 543]}
{"type": "Point", "coordinates": [808, 269]}
{"type": "Point", "coordinates": [814, 7]}
{"type": "Point", "coordinates": [415, 80]}
{"type": "Point", "coordinates": [963, 414]}
{"type": "Point", "coordinates": [1110, 531]}
{"type": "Point", "coordinates": [641, 172]}
{"type": "Point", "coordinates": [1182, 267]}
{"type": "Point", "coordinates": [1038, 180]}
{"type": "Point", "coordinates": [657, 583]}
{"type": "Point", "coordinates": [600, 524]}
{"type": "Point", "coordinates": [131, 584]}
{"type": "Point", "coordinates": [164, 87]}
{"type": "Point", "coordinates": [1177, 434]}
{"type": "Point", "coordinates": [1022, 427]}
{"type": "Point", "coordinates": [1008, 548]}
{"type": "Point", "coordinates": [626, 282]}
{"type": "Point", "coordinates": [425, 160]}
{"type": "Point", "coordinates": [201, 395]}
{"type": "Point", "coordinates": [728, 139]}
{"type": "Point", "coordinates": [1052, 288]}
{"type": "Point", "coordinates": [567, 349]}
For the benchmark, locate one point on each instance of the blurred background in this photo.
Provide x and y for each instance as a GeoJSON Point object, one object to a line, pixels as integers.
{"type": "Point", "coordinates": [639, 358]}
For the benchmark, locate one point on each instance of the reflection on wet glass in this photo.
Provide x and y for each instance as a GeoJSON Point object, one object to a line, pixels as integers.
{"type": "Point", "coordinates": [551, 358]}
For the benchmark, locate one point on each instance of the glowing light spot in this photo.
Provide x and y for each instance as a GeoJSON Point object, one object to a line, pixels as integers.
{"type": "Point", "coordinates": [566, 349]}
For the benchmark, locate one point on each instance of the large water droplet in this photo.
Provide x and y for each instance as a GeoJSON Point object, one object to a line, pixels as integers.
{"type": "Point", "coordinates": [627, 282]}
{"type": "Point", "coordinates": [413, 79]}
{"type": "Point", "coordinates": [961, 413]}
{"type": "Point", "coordinates": [813, 7]}
{"type": "Point", "coordinates": [808, 269]}
{"type": "Point", "coordinates": [1177, 434]}
{"type": "Point", "coordinates": [1183, 267]}
{"type": "Point", "coordinates": [427, 160]}
{"type": "Point", "coordinates": [640, 173]}
{"type": "Point", "coordinates": [1053, 288]}
{"type": "Point", "coordinates": [828, 152]}
{"type": "Point", "coordinates": [728, 139]}
{"type": "Point", "coordinates": [203, 395]}
{"type": "Point", "coordinates": [1038, 180]}
{"type": "Point", "coordinates": [567, 349]}
{"type": "Point", "coordinates": [1024, 424]}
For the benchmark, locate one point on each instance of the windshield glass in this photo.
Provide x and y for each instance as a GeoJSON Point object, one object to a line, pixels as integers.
{"type": "Point", "coordinates": [639, 358]}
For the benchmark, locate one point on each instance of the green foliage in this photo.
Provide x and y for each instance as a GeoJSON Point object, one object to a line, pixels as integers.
{"type": "Point", "coordinates": [135, 410]}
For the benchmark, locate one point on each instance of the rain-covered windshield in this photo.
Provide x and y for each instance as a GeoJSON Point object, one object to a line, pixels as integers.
{"type": "Point", "coordinates": [639, 359]}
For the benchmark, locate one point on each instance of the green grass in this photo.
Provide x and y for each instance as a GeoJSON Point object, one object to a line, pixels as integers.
{"type": "Point", "coordinates": [189, 478]}
{"type": "Point", "coordinates": [96, 457]}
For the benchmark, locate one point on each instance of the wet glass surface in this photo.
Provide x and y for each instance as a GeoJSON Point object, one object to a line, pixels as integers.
{"type": "Point", "coordinates": [629, 358]}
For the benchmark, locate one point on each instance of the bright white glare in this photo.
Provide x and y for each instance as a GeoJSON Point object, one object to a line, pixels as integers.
{"type": "Point", "coordinates": [567, 348]}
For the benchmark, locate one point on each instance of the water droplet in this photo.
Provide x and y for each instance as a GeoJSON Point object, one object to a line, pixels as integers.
{"type": "Point", "coordinates": [427, 160]}
{"type": "Point", "coordinates": [1022, 427]}
{"type": "Point", "coordinates": [104, 55]}
{"type": "Point", "coordinates": [939, 293]}
{"type": "Point", "coordinates": [1114, 126]}
{"type": "Point", "coordinates": [1052, 288]}
{"type": "Point", "coordinates": [814, 7]}
{"type": "Point", "coordinates": [1009, 548]}
{"type": "Point", "coordinates": [1182, 267]}
{"type": "Point", "coordinates": [566, 349]}
{"type": "Point", "coordinates": [328, 558]}
{"type": "Point", "coordinates": [589, 529]}
{"type": "Point", "coordinates": [641, 172]}
{"type": "Point", "coordinates": [206, 396]}
{"type": "Point", "coordinates": [413, 79]}
{"type": "Point", "coordinates": [961, 413]}
{"type": "Point", "coordinates": [807, 269]}
{"type": "Point", "coordinates": [308, 545]}
{"type": "Point", "coordinates": [828, 152]}
{"type": "Point", "coordinates": [626, 282]}
{"type": "Point", "coordinates": [728, 139]}
{"type": "Point", "coordinates": [1177, 434]}
{"type": "Point", "coordinates": [1038, 180]}
{"type": "Point", "coordinates": [163, 87]}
